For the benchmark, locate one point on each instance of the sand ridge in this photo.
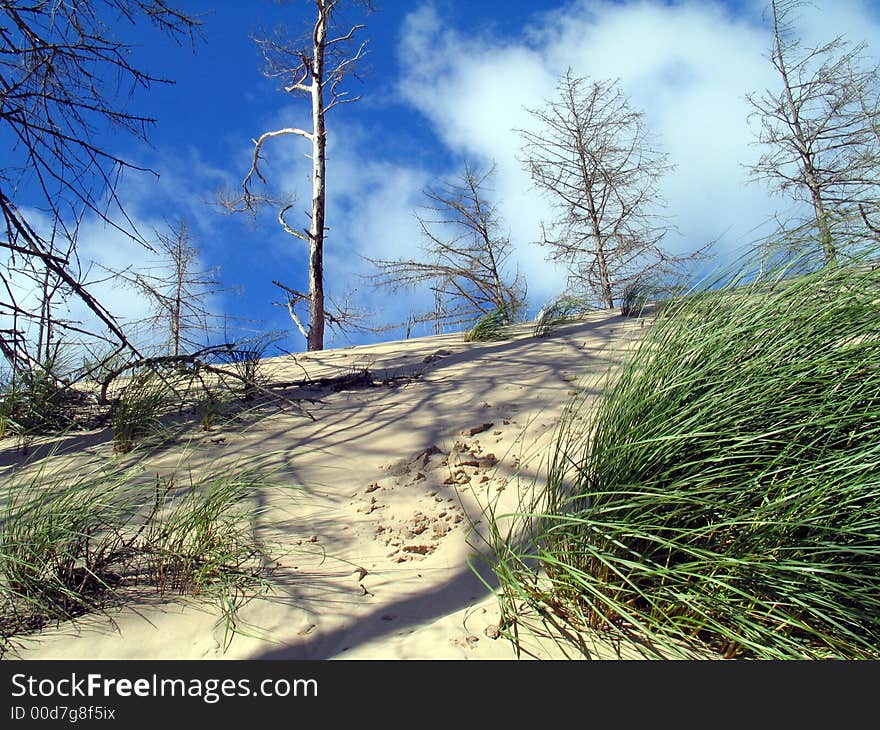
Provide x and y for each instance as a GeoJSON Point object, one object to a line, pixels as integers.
{"type": "Point", "coordinates": [388, 482]}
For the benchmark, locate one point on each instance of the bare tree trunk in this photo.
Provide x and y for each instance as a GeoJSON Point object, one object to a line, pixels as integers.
{"type": "Point", "coordinates": [315, 340]}
{"type": "Point", "coordinates": [482, 219]}
{"type": "Point", "coordinates": [180, 261]}
{"type": "Point", "coordinates": [44, 334]}
{"type": "Point", "coordinates": [807, 156]}
{"type": "Point", "coordinates": [323, 63]}
{"type": "Point", "coordinates": [604, 278]}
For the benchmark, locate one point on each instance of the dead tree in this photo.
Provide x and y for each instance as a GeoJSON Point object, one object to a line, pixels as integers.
{"type": "Point", "coordinates": [177, 290]}
{"type": "Point", "coordinates": [819, 131]}
{"type": "Point", "coordinates": [590, 154]}
{"type": "Point", "coordinates": [316, 68]}
{"type": "Point", "coordinates": [43, 294]}
{"type": "Point", "coordinates": [63, 75]}
{"type": "Point", "coordinates": [344, 317]}
{"type": "Point", "coordinates": [465, 257]}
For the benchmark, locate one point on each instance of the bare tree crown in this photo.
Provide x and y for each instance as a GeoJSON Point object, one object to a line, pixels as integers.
{"type": "Point", "coordinates": [590, 153]}
{"type": "Point", "coordinates": [178, 291]}
{"type": "Point", "coordinates": [465, 256]}
{"type": "Point", "coordinates": [819, 132]}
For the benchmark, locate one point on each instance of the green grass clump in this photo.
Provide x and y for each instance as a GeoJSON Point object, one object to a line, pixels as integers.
{"type": "Point", "coordinates": [137, 414]}
{"type": "Point", "coordinates": [563, 309]}
{"type": "Point", "coordinates": [491, 326]}
{"type": "Point", "coordinates": [73, 543]}
{"type": "Point", "coordinates": [635, 298]}
{"type": "Point", "coordinates": [36, 402]}
{"type": "Point", "coordinates": [246, 360]}
{"type": "Point", "coordinates": [725, 492]}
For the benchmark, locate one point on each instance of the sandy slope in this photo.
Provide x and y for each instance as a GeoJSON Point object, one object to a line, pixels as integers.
{"type": "Point", "coordinates": [390, 479]}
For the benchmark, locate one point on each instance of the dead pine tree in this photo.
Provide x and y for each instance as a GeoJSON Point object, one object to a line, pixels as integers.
{"type": "Point", "coordinates": [315, 68]}
{"type": "Point", "coordinates": [590, 153]}
{"type": "Point", "coordinates": [177, 289]}
{"type": "Point", "coordinates": [44, 339]}
{"type": "Point", "coordinates": [819, 133]}
{"type": "Point", "coordinates": [464, 256]}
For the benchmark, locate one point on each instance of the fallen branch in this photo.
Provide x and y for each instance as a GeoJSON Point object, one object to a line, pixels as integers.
{"type": "Point", "coordinates": [196, 360]}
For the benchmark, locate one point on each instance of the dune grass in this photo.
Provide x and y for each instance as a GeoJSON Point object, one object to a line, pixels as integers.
{"type": "Point", "coordinates": [724, 494]}
{"type": "Point", "coordinates": [565, 308]}
{"type": "Point", "coordinates": [491, 326]}
{"type": "Point", "coordinates": [635, 298]}
{"type": "Point", "coordinates": [74, 541]}
{"type": "Point", "coordinates": [137, 414]}
{"type": "Point", "coordinates": [36, 402]}
{"type": "Point", "coordinates": [246, 360]}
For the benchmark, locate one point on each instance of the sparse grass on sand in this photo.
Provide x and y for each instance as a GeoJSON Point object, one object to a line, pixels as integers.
{"type": "Point", "coordinates": [724, 494]}
{"type": "Point", "coordinates": [137, 416]}
{"type": "Point", "coordinates": [74, 540]}
{"type": "Point", "coordinates": [491, 326]}
{"type": "Point", "coordinates": [564, 308]}
{"type": "Point", "coordinates": [34, 403]}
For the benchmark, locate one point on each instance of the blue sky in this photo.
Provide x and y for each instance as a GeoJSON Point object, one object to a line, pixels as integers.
{"type": "Point", "coordinates": [445, 82]}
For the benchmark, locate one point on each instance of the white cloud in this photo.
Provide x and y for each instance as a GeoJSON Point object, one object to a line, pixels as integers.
{"type": "Point", "coordinates": [687, 65]}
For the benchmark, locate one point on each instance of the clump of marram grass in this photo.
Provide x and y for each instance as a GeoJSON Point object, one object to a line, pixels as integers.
{"type": "Point", "coordinates": [73, 542]}
{"type": "Point", "coordinates": [634, 298]}
{"type": "Point", "coordinates": [490, 326]}
{"type": "Point", "coordinates": [246, 360]}
{"type": "Point", "coordinates": [138, 411]}
{"type": "Point", "coordinates": [37, 402]}
{"type": "Point", "coordinates": [564, 308]}
{"type": "Point", "coordinates": [725, 493]}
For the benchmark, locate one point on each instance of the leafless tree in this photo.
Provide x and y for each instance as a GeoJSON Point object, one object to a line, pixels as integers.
{"type": "Point", "coordinates": [63, 77]}
{"type": "Point", "coordinates": [590, 153]}
{"type": "Point", "coordinates": [820, 130]}
{"type": "Point", "coordinates": [464, 256]}
{"type": "Point", "coordinates": [41, 293]}
{"type": "Point", "coordinates": [177, 290]}
{"type": "Point", "coordinates": [315, 68]}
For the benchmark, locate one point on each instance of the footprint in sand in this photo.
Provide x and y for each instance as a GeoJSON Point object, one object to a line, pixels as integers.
{"type": "Point", "coordinates": [468, 642]}
{"type": "Point", "coordinates": [420, 534]}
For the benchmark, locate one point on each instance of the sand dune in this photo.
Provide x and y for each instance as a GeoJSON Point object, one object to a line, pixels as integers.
{"type": "Point", "coordinates": [390, 481]}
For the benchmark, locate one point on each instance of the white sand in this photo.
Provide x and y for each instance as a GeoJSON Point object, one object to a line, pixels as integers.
{"type": "Point", "coordinates": [378, 536]}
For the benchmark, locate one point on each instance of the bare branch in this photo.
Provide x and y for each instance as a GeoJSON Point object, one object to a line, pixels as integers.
{"type": "Point", "coordinates": [303, 234]}
{"type": "Point", "coordinates": [347, 37]}
{"type": "Point", "coordinates": [294, 297]}
{"type": "Point", "coordinates": [248, 197]}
